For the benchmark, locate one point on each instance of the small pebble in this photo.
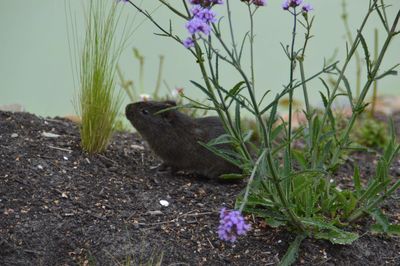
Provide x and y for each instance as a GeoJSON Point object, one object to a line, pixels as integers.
{"type": "Point", "coordinates": [155, 213]}
{"type": "Point", "coordinates": [164, 203]}
{"type": "Point", "coordinates": [49, 135]}
{"type": "Point", "coordinates": [14, 135]}
{"type": "Point", "coordinates": [40, 167]}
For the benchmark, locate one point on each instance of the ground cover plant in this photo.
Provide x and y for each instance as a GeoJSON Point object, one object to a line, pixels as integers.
{"type": "Point", "coordinates": [289, 187]}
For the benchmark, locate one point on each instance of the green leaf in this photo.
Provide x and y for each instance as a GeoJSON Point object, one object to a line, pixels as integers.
{"type": "Point", "coordinates": [300, 158]}
{"type": "Point", "coordinates": [329, 232]}
{"type": "Point", "coordinates": [220, 153]}
{"type": "Point", "coordinates": [357, 182]}
{"type": "Point", "coordinates": [324, 100]}
{"type": "Point", "coordinates": [381, 219]}
{"type": "Point", "coordinates": [231, 177]}
{"type": "Point", "coordinates": [223, 139]}
{"type": "Point", "coordinates": [272, 116]}
{"type": "Point", "coordinates": [293, 251]}
{"type": "Point", "coordinates": [276, 131]}
{"type": "Point", "coordinates": [274, 222]}
{"type": "Point", "coordinates": [203, 89]}
{"type": "Point", "coordinates": [247, 135]}
{"type": "Point", "coordinates": [366, 52]}
{"type": "Point", "coordinates": [348, 89]}
{"type": "Point", "coordinates": [235, 90]}
{"type": "Point", "coordinates": [387, 73]}
{"type": "Point", "coordinates": [237, 117]}
{"type": "Point", "coordinates": [392, 229]}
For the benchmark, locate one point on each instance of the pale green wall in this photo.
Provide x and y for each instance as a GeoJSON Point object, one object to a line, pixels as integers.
{"type": "Point", "coordinates": [35, 68]}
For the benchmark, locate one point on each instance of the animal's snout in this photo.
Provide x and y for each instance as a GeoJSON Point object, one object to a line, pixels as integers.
{"type": "Point", "coordinates": [129, 110]}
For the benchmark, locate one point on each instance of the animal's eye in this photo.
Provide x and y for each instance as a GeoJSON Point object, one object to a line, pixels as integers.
{"type": "Point", "coordinates": [145, 112]}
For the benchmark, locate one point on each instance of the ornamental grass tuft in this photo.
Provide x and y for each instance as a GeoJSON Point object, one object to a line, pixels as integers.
{"type": "Point", "coordinates": [97, 102]}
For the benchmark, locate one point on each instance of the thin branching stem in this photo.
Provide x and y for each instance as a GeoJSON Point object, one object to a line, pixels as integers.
{"type": "Point", "coordinates": [251, 41]}
{"type": "Point", "coordinates": [345, 19]}
{"type": "Point", "coordinates": [228, 10]}
{"type": "Point", "coordinates": [174, 10]}
{"type": "Point", "coordinates": [360, 101]}
{"type": "Point", "coordinates": [291, 78]}
{"type": "Point", "coordinates": [342, 71]}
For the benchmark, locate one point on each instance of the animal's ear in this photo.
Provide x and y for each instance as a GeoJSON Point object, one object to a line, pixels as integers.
{"type": "Point", "coordinates": [170, 102]}
{"type": "Point", "coordinates": [169, 116]}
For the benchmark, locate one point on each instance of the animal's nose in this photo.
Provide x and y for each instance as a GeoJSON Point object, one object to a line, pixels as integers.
{"type": "Point", "coordinates": [129, 110]}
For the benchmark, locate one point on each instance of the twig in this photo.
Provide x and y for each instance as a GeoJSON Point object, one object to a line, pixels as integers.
{"type": "Point", "coordinates": [61, 149]}
{"type": "Point", "coordinates": [188, 214]}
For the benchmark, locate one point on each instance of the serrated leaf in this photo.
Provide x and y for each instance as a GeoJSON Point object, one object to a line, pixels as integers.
{"type": "Point", "coordinates": [381, 219]}
{"type": "Point", "coordinates": [329, 232]}
{"type": "Point", "coordinates": [392, 229]}
{"type": "Point", "coordinates": [293, 251]}
{"type": "Point", "coordinates": [274, 222]}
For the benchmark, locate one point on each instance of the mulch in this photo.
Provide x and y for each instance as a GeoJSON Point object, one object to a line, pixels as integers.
{"type": "Point", "coordinates": [61, 206]}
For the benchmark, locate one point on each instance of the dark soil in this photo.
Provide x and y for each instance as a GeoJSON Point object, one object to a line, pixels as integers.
{"type": "Point", "coordinates": [60, 206]}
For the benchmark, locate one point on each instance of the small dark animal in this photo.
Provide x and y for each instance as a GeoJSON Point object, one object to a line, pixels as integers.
{"type": "Point", "coordinates": [174, 137]}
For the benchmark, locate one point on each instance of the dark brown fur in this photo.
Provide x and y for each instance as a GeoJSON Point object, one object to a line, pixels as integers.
{"type": "Point", "coordinates": [174, 137]}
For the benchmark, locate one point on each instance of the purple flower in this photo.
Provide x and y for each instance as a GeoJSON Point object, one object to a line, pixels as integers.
{"type": "Point", "coordinates": [285, 5]}
{"type": "Point", "coordinates": [259, 2]}
{"type": "Point", "coordinates": [291, 3]}
{"type": "Point", "coordinates": [206, 3]}
{"type": "Point", "coordinates": [196, 9]}
{"type": "Point", "coordinates": [207, 15]}
{"type": "Point", "coordinates": [195, 2]}
{"type": "Point", "coordinates": [188, 42]}
{"type": "Point", "coordinates": [307, 8]}
{"type": "Point", "coordinates": [196, 25]}
{"type": "Point", "coordinates": [231, 225]}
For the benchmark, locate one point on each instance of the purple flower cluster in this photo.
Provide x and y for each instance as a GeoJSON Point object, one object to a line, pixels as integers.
{"type": "Point", "coordinates": [206, 3]}
{"type": "Point", "coordinates": [231, 225]}
{"type": "Point", "coordinates": [295, 3]}
{"type": "Point", "coordinates": [256, 2]}
{"type": "Point", "coordinates": [259, 2]}
{"type": "Point", "coordinates": [202, 17]}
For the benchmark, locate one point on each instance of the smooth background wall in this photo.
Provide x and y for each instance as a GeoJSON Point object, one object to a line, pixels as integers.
{"type": "Point", "coordinates": [37, 72]}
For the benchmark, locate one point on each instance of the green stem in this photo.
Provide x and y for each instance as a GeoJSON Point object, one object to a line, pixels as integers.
{"type": "Point", "coordinates": [291, 73]}
{"type": "Point", "coordinates": [251, 40]}
{"type": "Point", "coordinates": [360, 101]}
{"type": "Point", "coordinates": [274, 175]}
{"type": "Point", "coordinates": [341, 74]}
{"type": "Point", "coordinates": [253, 173]}
{"type": "Point", "coordinates": [228, 10]}
{"type": "Point", "coordinates": [356, 54]}
{"type": "Point", "coordinates": [174, 10]}
{"type": "Point", "coordinates": [306, 101]}
{"type": "Point", "coordinates": [375, 86]}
